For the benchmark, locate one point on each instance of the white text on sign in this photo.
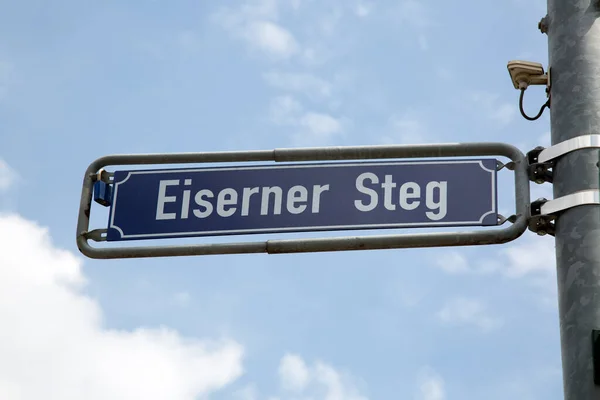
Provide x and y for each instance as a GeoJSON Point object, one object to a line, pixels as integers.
{"type": "Point", "coordinates": [299, 199]}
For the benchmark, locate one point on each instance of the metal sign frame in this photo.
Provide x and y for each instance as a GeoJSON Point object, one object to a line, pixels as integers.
{"type": "Point", "coordinates": [278, 246]}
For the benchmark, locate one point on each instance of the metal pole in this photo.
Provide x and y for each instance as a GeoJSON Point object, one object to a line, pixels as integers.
{"type": "Point", "coordinates": [574, 55]}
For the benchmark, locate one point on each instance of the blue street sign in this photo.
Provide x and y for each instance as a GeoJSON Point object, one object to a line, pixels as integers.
{"type": "Point", "coordinates": [152, 204]}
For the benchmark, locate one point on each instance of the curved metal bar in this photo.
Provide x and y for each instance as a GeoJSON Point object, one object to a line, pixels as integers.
{"type": "Point", "coordinates": [394, 241]}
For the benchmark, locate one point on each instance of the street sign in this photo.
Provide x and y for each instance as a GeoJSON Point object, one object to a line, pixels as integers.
{"type": "Point", "coordinates": [478, 183]}
{"type": "Point", "coordinates": [172, 203]}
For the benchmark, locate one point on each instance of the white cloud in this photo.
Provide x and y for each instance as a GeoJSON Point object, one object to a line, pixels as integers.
{"type": "Point", "coordinates": [8, 176]}
{"type": "Point", "coordinates": [443, 73]}
{"type": "Point", "coordinates": [248, 392]}
{"type": "Point", "coordinates": [413, 13]}
{"type": "Point", "coordinates": [307, 84]}
{"type": "Point", "coordinates": [363, 9]}
{"type": "Point", "coordinates": [316, 129]}
{"type": "Point", "coordinates": [464, 311]}
{"type": "Point", "coordinates": [317, 54]}
{"type": "Point", "coordinates": [54, 344]}
{"type": "Point", "coordinates": [414, 19]}
{"type": "Point", "coordinates": [530, 258]}
{"type": "Point", "coordinates": [456, 262]}
{"type": "Point", "coordinates": [330, 21]}
{"type": "Point", "coordinates": [405, 294]}
{"type": "Point", "coordinates": [271, 38]}
{"type": "Point", "coordinates": [503, 113]}
{"type": "Point", "coordinates": [321, 381]}
{"type": "Point", "coordinates": [311, 128]}
{"type": "Point", "coordinates": [300, 381]}
{"type": "Point", "coordinates": [453, 262]}
{"type": "Point", "coordinates": [405, 129]}
{"type": "Point", "coordinates": [534, 257]}
{"type": "Point", "coordinates": [181, 299]}
{"type": "Point", "coordinates": [336, 386]}
{"type": "Point", "coordinates": [256, 23]}
{"type": "Point", "coordinates": [293, 373]}
{"type": "Point", "coordinates": [431, 386]}
{"type": "Point", "coordinates": [320, 124]}
{"type": "Point", "coordinates": [490, 106]}
{"type": "Point", "coordinates": [284, 110]}
{"type": "Point", "coordinates": [247, 11]}
{"type": "Point", "coordinates": [188, 41]}
{"type": "Point", "coordinates": [295, 4]}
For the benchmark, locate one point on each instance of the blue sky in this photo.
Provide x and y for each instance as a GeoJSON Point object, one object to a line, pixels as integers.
{"type": "Point", "coordinates": [82, 80]}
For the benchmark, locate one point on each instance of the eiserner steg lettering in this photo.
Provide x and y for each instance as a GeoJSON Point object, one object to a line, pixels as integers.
{"type": "Point", "coordinates": [372, 193]}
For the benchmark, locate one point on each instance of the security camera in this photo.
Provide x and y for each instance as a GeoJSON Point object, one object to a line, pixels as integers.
{"type": "Point", "coordinates": [525, 73]}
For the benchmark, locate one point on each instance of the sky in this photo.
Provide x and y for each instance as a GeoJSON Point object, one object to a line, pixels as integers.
{"type": "Point", "coordinates": [79, 80]}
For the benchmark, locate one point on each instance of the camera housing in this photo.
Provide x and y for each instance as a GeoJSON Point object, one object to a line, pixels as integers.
{"type": "Point", "coordinates": [525, 73]}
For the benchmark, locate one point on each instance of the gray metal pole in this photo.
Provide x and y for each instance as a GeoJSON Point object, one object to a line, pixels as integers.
{"type": "Point", "coordinates": [574, 53]}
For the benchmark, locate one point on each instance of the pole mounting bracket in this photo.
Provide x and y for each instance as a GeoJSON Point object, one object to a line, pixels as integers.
{"type": "Point", "coordinates": [544, 212]}
{"type": "Point", "coordinates": [541, 160]}
{"type": "Point", "coordinates": [562, 148]}
{"type": "Point", "coordinates": [539, 172]}
{"type": "Point", "coordinates": [539, 223]}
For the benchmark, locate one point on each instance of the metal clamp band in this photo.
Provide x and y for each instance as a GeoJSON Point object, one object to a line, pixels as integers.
{"type": "Point", "coordinates": [576, 143]}
{"type": "Point", "coordinates": [583, 197]}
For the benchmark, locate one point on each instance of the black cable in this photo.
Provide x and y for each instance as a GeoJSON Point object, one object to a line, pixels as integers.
{"type": "Point", "coordinates": [539, 114]}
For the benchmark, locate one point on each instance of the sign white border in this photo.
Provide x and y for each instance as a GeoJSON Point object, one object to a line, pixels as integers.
{"type": "Point", "coordinates": [303, 228]}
